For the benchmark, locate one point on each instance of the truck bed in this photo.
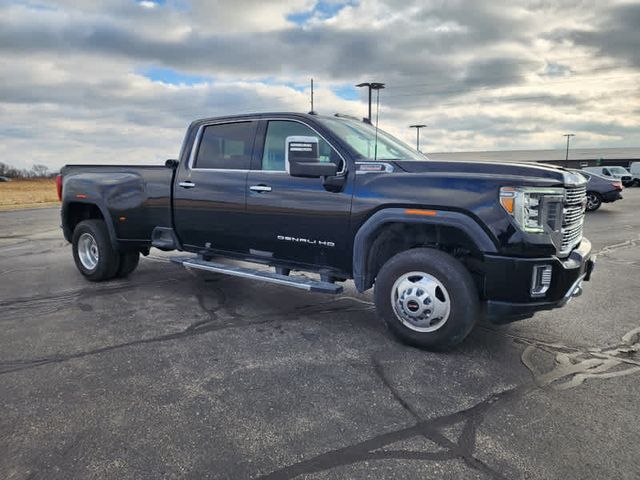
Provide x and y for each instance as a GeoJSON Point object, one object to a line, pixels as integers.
{"type": "Point", "coordinates": [136, 197]}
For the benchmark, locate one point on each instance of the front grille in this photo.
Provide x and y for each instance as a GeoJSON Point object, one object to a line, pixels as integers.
{"type": "Point", "coordinates": [574, 195]}
{"type": "Point", "coordinates": [573, 214]}
{"type": "Point", "coordinates": [573, 218]}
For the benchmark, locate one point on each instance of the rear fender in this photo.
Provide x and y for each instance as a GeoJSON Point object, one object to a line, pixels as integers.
{"type": "Point", "coordinates": [67, 208]}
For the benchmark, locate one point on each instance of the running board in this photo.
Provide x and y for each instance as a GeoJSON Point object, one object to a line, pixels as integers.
{"type": "Point", "coordinates": [271, 277]}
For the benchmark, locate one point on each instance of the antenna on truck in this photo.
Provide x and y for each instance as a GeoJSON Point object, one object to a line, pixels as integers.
{"type": "Point", "coordinates": [375, 145]}
{"type": "Point", "coordinates": [312, 112]}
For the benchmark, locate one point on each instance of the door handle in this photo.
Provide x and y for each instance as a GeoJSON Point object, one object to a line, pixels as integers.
{"type": "Point", "coordinates": [260, 188]}
{"type": "Point", "coordinates": [187, 184]}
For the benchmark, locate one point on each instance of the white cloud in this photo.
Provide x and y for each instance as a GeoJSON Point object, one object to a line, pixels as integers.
{"type": "Point", "coordinates": [481, 75]}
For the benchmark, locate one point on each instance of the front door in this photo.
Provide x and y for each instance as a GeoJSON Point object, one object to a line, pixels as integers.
{"type": "Point", "coordinates": [210, 191]}
{"type": "Point", "coordinates": [297, 219]}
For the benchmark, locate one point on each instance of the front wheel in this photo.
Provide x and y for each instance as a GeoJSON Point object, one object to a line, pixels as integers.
{"type": "Point", "coordinates": [593, 201]}
{"type": "Point", "coordinates": [427, 298]}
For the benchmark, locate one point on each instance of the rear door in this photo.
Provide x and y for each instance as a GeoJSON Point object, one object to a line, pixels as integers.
{"type": "Point", "coordinates": [296, 219]}
{"type": "Point", "coordinates": [210, 190]}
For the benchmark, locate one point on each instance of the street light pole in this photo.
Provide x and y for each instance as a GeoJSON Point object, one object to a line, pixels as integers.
{"type": "Point", "coordinates": [417, 127]}
{"type": "Point", "coordinates": [568, 135]}
{"type": "Point", "coordinates": [371, 86]}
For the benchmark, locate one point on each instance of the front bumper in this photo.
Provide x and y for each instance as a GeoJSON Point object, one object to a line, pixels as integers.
{"type": "Point", "coordinates": [507, 283]}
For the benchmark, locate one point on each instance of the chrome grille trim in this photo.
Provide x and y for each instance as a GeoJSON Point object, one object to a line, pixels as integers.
{"type": "Point", "coordinates": [574, 195]}
{"type": "Point", "coordinates": [573, 214]}
{"type": "Point", "coordinates": [573, 218]}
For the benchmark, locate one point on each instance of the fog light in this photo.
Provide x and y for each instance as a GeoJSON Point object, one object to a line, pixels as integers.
{"type": "Point", "coordinates": [541, 280]}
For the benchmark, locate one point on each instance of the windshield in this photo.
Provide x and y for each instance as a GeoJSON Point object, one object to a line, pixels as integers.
{"type": "Point", "coordinates": [618, 171]}
{"type": "Point", "coordinates": [362, 138]}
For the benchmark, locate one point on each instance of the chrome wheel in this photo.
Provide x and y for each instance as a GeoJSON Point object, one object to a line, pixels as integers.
{"type": "Point", "coordinates": [420, 301]}
{"type": "Point", "coordinates": [88, 251]}
{"type": "Point", "coordinates": [593, 201]}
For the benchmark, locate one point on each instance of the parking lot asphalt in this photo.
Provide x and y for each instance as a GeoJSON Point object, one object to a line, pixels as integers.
{"type": "Point", "coordinates": [179, 374]}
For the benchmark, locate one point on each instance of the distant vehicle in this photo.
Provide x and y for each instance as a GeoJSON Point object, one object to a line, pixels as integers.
{"type": "Point", "coordinates": [617, 173]}
{"type": "Point", "coordinates": [601, 190]}
{"type": "Point", "coordinates": [634, 170]}
{"type": "Point", "coordinates": [4, 179]}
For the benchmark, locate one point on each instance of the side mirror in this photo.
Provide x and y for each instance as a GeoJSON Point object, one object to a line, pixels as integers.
{"type": "Point", "coordinates": [171, 163]}
{"type": "Point", "coordinates": [303, 160]}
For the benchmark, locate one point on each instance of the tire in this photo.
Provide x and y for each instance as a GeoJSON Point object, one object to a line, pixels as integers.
{"type": "Point", "coordinates": [128, 263]}
{"type": "Point", "coordinates": [432, 282]}
{"type": "Point", "coordinates": [93, 252]}
{"type": "Point", "coordinates": [594, 201]}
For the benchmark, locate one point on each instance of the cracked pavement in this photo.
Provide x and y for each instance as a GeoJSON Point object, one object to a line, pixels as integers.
{"type": "Point", "coordinates": [179, 374]}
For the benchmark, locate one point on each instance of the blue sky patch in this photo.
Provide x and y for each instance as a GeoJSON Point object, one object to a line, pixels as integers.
{"type": "Point", "coordinates": [157, 2]}
{"type": "Point", "coordinates": [174, 77]}
{"type": "Point", "coordinates": [348, 92]}
{"type": "Point", "coordinates": [322, 9]}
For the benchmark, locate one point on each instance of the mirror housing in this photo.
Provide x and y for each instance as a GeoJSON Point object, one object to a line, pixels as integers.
{"type": "Point", "coordinates": [302, 158]}
{"type": "Point", "coordinates": [171, 163]}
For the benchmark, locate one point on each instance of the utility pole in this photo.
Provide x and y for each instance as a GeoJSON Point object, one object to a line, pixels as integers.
{"type": "Point", "coordinates": [568, 135]}
{"type": "Point", "coordinates": [417, 127]}
{"type": "Point", "coordinates": [371, 86]}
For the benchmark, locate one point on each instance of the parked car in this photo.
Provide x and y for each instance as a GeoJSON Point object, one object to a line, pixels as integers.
{"type": "Point", "coordinates": [634, 171]}
{"type": "Point", "coordinates": [444, 242]}
{"type": "Point", "coordinates": [618, 173]}
{"type": "Point", "coordinates": [4, 179]}
{"type": "Point", "coordinates": [601, 190]}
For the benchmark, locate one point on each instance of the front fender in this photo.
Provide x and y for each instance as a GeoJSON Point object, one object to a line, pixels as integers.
{"type": "Point", "coordinates": [366, 234]}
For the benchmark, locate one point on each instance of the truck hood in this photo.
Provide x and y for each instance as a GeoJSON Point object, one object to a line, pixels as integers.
{"type": "Point", "coordinates": [532, 172]}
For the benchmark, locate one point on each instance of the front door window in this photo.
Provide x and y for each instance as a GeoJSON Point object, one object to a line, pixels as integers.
{"type": "Point", "coordinates": [274, 144]}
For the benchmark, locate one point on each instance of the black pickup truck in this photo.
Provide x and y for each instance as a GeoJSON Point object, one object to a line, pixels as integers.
{"type": "Point", "coordinates": [444, 242]}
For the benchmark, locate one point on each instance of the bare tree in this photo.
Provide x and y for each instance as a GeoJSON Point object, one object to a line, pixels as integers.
{"type": "Point", "coordinates": [39, 171]}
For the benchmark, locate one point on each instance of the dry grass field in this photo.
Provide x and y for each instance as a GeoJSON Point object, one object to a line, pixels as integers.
{"type": "Point", "coordinates": [27, 194]}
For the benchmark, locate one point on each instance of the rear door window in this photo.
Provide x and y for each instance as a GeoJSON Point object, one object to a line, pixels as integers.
{"type": "Point", "coordinates": [226, 146]}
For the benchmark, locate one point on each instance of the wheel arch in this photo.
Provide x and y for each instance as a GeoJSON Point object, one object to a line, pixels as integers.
{"type": "Point", "coordinates": [393, 230]}
{"type": "Point", "coordinates": [77, 211]}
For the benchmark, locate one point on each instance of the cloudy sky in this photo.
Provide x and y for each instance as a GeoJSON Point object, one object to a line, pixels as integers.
{"type": "Point", "coordinates": [118, 81]}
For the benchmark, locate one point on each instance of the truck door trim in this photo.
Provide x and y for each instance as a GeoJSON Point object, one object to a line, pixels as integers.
{"type": "Point", "coordinates": [196, 143]}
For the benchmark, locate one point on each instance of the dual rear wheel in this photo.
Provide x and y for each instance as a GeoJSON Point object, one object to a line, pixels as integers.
{"type": "Point", "coordinates": [95, 256]}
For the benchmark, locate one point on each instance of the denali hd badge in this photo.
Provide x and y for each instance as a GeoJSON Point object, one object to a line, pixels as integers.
{"type": "Point", "coordinates": [308, 241]}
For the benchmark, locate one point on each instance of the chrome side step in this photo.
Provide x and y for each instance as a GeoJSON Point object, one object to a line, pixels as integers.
{"type": "Point", "coordinates": [271, 277]}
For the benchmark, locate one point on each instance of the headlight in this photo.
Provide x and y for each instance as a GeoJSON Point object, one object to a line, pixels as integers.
{"type": "Point", "coordinates": [534, 209]}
